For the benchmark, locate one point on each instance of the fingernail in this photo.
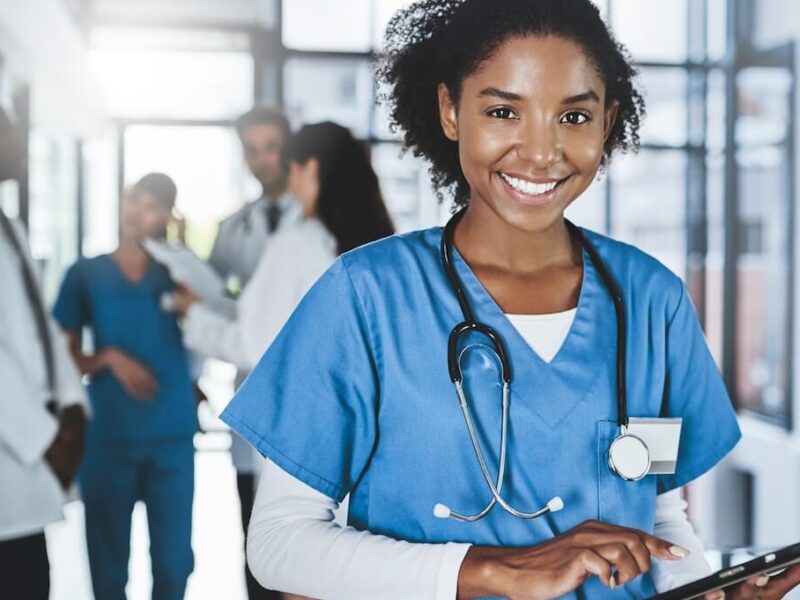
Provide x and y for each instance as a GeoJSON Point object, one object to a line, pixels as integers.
{"type": "Point", "coordinates": [612, 581]}
{"type": "Point", "coordinates": [678, 551]}
{"type": "Point", "coordinates": [762, 581]}
{"type": "Point", "coordinates": [718, 595]}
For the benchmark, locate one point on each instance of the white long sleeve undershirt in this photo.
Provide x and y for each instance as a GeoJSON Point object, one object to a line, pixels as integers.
{"type": "Point", "coordinates": [294, 545]}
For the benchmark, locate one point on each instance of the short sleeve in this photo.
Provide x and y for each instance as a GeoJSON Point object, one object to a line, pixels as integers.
{"type": "Point", "coordinates": [695, 392]}
{"type": "Point", "coordinates": [310, 404]}
{"type": "Point", "coordinates": [70, 308]}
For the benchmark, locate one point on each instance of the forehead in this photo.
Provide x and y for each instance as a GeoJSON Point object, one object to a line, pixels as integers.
{"type": "Point", "coordinates": [262, 133]}
{"type": "Point", "coordinates": [537, 66]}
{"type": "Point", "coordinates": [145, 199]}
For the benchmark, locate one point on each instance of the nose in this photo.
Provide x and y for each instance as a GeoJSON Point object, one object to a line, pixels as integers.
{"type": "Point", "coordinates": [540, 146]}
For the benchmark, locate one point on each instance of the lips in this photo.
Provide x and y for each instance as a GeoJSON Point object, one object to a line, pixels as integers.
{"type": "Point", "coordinates": [531, 193]}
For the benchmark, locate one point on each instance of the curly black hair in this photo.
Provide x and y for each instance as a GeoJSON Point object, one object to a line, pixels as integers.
{"type": "Point", "coordinates": [444, 41]}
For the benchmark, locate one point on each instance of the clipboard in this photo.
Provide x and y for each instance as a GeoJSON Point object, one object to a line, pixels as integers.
{"type": "Point", "coordinates": [769, 564]}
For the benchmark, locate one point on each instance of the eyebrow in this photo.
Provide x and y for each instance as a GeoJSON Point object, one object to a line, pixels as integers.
{"type": "Point", "coordinates": [591, 95]}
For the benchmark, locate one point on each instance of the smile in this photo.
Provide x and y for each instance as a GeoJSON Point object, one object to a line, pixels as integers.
{"type": "Point", "coordinates": [529, 188]}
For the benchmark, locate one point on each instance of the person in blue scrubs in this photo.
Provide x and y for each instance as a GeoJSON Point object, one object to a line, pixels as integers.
{"type": "Point", "coordinates": [140, 439]}
{"type": "Point", "coordinates": [516, 105]}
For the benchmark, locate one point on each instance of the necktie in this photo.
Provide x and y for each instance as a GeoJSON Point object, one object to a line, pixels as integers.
{"type": "Point", "coordinates": [273, 216]}
{"type": "Point", "coordinates": [37, 305]}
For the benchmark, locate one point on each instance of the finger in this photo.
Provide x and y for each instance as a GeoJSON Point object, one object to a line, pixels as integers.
{"type": "Point", "coordinates": [785, 582]}
{"type": "Point", "coordinates": [594, 564]}
{"type": "Point", "coordinates": [750, 588]}
{"type": "Point", "coordinates": [664, 549]}
{"type": "Point", "coordinates": [620, 556]}
{"type": "Point", "coordinates": [655, 546]}
{"type": "Point", "coordinates": [715, 595]}
{"type": "Point", "coordinates": [619, 535]}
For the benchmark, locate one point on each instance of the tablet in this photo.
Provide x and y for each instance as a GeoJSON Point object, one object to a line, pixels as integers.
{"type": "Point", "coordinates": [767, 563]}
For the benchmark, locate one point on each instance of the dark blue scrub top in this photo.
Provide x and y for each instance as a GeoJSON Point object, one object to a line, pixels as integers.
{"type": "Point", "coordinates": [126, 315]}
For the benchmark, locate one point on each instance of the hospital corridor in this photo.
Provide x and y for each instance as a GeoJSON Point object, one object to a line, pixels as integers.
{"type": "Point", "coordinates": [399, 299]}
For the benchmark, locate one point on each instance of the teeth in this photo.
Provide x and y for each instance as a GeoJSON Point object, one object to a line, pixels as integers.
{"type": "Point", "coordinates": [528, 187]}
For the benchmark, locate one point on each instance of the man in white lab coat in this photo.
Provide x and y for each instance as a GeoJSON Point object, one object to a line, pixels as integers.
{"type": "Point", "coordinates": [241, 242]}
{"type": "Point", "coordinates": [42, 409]}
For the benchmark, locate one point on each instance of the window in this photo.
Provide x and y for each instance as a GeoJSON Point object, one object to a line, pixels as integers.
{"type": "Point", "coordinates": [341, 26]}
{"type": "Point", "coordinates": [207, 167]}
{"type": "Point", "coordinates": [174, 84]}
{"type": "Point", "coordinates": [335, 89]}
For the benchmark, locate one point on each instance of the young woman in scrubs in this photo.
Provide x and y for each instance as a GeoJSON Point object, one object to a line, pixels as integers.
{"type": "Point", "coordinates": [332, 179]}
{"type": "Point", "coordinates": [516, 105]}
{"type": "Point", "coordinates": [140, 438]}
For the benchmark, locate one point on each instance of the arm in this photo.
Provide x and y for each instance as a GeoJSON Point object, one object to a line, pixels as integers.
{"type": "Point", "coordinates": [26, 428]}
{"type": "Point", "coordinates": [271, 295]}
{"type": "Point", "coordinates": [134, 377]}
{"type": "Point", "coordinates": [294, 545]}
{"type": "Point", "coordinates": [672, 523]}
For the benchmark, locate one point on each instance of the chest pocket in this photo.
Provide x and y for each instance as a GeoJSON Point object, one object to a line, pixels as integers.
{"type": "Point", "coordinates": [626, 503]}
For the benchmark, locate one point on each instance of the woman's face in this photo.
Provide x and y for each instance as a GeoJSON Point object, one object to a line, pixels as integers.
{"type": "Point", "coordinates": [143, 216]}
{"type": "Point", "coordinates": [530, 125]}
{"type": "Point", "coordinates": [304, 184]}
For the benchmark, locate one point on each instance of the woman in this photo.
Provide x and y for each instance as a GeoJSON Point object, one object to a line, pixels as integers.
{"type": "Point", "coordinates": [516, 105]}
{"type": "Point", "coordinates": [140, 439]}
{"type": "Point", "coordinates": [331, 177]}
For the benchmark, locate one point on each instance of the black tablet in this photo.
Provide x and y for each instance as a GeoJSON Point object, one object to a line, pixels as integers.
{"type": "Point", "coordinates": [767, 563]}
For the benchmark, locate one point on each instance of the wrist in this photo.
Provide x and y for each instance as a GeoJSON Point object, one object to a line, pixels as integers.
{"type": "Point", "coordinates": [482, 574]}
{"type": "Point", "coordinates": [106, 358]}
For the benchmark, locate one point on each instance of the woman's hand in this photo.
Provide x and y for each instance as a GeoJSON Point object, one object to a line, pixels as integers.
{"type": "Point", "coordinates": [183, 297]}
{"type": "Point", "coordinates": [761, 588]}
{"type": "Point", "coordinates": [615, 554]}
{"type": "Point", "coordinates": [134, 377]}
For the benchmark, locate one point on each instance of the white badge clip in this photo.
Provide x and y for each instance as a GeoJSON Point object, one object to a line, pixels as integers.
{"type": "Point", "coordinates": [662, 438]}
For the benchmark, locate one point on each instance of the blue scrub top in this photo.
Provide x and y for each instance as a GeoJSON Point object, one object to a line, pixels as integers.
{"type": "Point", "coordinates": [127, 316]}
{"type": "Point", "coordinates": [354, 396]}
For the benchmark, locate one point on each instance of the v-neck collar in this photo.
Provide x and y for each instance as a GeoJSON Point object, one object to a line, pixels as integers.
{"type": "Point", "coordinates": [133, 283]}
{"type": "Point", "coordinates": [552, 389]}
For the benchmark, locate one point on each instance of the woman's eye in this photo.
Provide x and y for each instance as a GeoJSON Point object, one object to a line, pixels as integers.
{"type": "Point", "coordinates": [501, 113]}
{"type": "Point", "coordinates": [575, 118]}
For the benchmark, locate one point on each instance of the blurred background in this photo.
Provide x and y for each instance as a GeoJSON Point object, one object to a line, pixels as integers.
{"type": "Point", "coordinates": [104, 91]}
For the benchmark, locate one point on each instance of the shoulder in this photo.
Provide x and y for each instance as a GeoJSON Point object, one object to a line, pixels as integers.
{"type": "Point", "coordinates": [637, 272]}
{"type": "Point", "coordinates": [303, 238]}
{"type": "Point", "coordinates": [396, 253]}
{"type": "Point", "coordinates": [87, 266]}
{"type": "Point", "coordinates": [239, 217]}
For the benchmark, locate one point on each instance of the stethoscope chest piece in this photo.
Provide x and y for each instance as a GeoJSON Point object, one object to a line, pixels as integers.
{"type": "Point", "coordinates": [629, 457]}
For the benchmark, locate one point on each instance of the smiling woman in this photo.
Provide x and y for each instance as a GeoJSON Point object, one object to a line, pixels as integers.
{"type": "Point", "coordinates": [516, 105]}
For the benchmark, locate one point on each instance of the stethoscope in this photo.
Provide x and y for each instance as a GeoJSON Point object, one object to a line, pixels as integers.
{"type": "Point", "coordinates": [628, 455]}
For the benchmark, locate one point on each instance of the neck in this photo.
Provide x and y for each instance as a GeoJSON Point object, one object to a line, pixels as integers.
{"type": "Point", "coordinates": [273, 194]}
{"type": "Point", "coordinates": [484, 238]}
{"type": "Point", "coordinates": [130, 249]}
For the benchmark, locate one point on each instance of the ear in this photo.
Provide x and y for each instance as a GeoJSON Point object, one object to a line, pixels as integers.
{"type": "Point", "coordinates": [313, 166]}
{"type": "Point", "coordinates": [609, 118]}
{"type": "Point", "coordinates": [448, 113]}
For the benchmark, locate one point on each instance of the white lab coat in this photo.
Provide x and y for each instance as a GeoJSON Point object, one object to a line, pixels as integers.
{"type": "Point", "coordinates": [30, 495]}
{"type": "Point", "coordinates": [296, 258]}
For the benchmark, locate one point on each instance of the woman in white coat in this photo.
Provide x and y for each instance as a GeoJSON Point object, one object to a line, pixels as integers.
{"type": "Point", "coordinates": [331, 177]}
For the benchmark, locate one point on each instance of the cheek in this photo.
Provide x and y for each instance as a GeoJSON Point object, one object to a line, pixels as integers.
{"type": "Point", "coordinates": [482, 147]}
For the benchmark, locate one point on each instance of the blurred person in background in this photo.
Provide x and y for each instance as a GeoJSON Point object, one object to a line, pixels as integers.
{"type": "Point", "coordinates": [238, 248]}
{"type": "Point", "coordinates": [140, 442]}
{"type": "Point", "coordinates": [331, 177]}
{"type": "Point", "coordinates": [42, 408]}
